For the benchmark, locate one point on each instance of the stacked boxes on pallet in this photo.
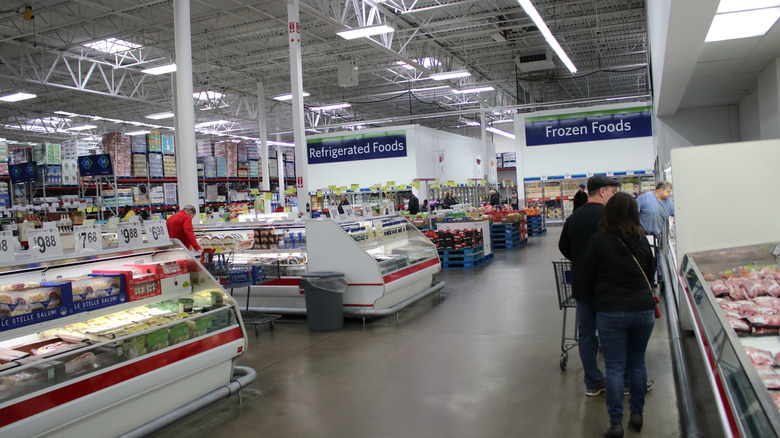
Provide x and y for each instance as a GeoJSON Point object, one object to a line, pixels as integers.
{"type": "Point", "coordinates": [169, 190]}
{"type": "Point", "coordinates": [118, 146]}
{"type": "Point", "coordinates": [459, 248]}
{"type": "Point", "coordinates": [155, 165]}
{"type": "Point", "coordinates": [169, 157]}
{"type": "Point", "coordinates": [511, 233]}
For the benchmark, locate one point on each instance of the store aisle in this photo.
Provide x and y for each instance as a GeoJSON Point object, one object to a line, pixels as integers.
{"type": "Point", "coordinates": [479, 361]}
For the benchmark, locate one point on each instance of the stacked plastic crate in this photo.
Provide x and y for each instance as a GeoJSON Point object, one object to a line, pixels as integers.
{"type": "Point", "coordinates": [119, 146]}
{"type": "Point", "coordinates": [169, 156]}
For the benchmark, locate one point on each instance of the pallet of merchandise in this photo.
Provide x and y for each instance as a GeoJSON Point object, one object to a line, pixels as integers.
{"type": "Point", "coordinates": [169, 166]}
{"type": "Point", "coordinates": [222, 169]}
{"type": "Point", "coordinates": [461, 251]}
{"type": "Point", "coordinates": [138, 143]}
{"type": "Point", "coordinates": [170, 192]}
{"type": "Point", "coordinates": [154, 142]}
{"type": "Point", "coordinates": [204, 148]}
{"type": "Point", "coordinates": [139, 166]}
{"type": "Point", "coordinates": [168, 146]}
{"type": "Point", "coordinates": [510, 244]}
{"type": "Point", "coordinates": [462, 258]}
{"type": "Point", "coordinates": [155, 165]}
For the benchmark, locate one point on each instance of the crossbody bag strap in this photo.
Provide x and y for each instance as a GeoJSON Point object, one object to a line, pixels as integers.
{"type": "Point", "coordinates": [640, 266]}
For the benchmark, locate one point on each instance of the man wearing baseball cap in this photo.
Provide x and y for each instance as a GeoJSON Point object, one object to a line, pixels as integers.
{"type": "Point", "coordinates": [577, 230]}
{"type": "Point", "coordinates": [580, 198]}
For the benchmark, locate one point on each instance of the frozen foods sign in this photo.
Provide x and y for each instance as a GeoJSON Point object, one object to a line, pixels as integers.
{"type": "Point", "coordinates": [358, 147]}
{"type": "Point", "coordinates": [590, 126]}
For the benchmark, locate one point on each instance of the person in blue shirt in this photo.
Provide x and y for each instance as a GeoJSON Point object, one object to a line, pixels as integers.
{"type": "Point", "coordinates": [655, 208]}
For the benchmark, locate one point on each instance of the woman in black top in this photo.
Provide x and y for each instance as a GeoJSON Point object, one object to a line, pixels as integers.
{"type": "Point", "coordinates": [618, 264]}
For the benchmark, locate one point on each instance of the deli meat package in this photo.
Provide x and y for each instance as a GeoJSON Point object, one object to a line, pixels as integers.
{"type": "Point", "coordinates": [769, 376]}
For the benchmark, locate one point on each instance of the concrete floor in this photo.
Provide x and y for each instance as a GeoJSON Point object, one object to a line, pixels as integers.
{"type": "Point", "coordinates": [481, 360]}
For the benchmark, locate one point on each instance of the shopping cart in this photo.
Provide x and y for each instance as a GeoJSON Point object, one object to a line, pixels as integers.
{"type": "Point", "coordinates": [562, 270]}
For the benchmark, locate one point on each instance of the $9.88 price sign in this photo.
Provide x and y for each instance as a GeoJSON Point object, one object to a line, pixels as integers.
{"type": "Point", "coordinates": [129, 235]}
{"type": "Point", "coordinates": [157, 233]}
{"type": "Point", "coordinates": [88, 238]}
{"type": "Point", "coordinates": [44, 243]}
{"type": "Point", "coordinates": [6, 246]}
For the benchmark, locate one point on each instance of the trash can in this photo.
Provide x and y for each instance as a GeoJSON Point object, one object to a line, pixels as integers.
{"type": "Point", "coordinates": [324, 293]}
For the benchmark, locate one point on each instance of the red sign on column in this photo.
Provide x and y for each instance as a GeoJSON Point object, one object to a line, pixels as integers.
{"type": "Point", "coordinates": [295, 31]}
{"type": "Point", "coordinates": [300, 182]}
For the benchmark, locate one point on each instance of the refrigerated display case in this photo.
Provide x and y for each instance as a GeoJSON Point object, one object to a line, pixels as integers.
{"type": "Point", "coordinates": [745, 406]}
{"type": "Point", "coordinates": [533, 195]}
{"type": "Point", "coordinates": [385, 258]}
{"type": "Point", "coordinates": [570, 188]}
{"type": "Point", "coordinates": [553, 206]}
{"type": "Point", "coordinates": [104, 343]}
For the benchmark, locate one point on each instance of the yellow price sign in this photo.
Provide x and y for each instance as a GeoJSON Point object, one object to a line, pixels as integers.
{"type": "Point", "coordinates": [416, 184]}
{"type": "Point", "coordinates": [391, 183]}
{"type": "Point", "coordinates": [269, 196]}
{"type": "Point", "coordinates": [319, 193]}
{"type": "Point", "coordinates": [255, 191]}
{"type": "Point", "coordinates": [338, 191]}
{"type": "Point", "coordinates": [332, 188]}
{"type": "Point", "coordinates": [290, 191]}
{"type": "Point", "coordinates": [355, 187]}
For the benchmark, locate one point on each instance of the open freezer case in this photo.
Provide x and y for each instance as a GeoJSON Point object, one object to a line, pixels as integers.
{"type": "Point", "coordinates": [104, 343]}
{"type": "Point", "coordinates": [734, 302]}
{"type": "Point", "coordinates": [385, 258]}
{"type": "Point", "coordinates": [553, 206]}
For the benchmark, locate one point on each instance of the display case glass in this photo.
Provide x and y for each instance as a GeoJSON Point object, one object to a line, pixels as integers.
{"type": "Point", "coordinates": [733, 291]}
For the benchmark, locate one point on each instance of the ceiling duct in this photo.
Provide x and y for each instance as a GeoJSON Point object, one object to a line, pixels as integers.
{"type": "Point", "coordinates": [535, 62]}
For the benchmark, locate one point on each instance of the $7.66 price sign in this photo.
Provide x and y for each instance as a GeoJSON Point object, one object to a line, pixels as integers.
{"type": "Point", "coordinates": [6, 246]}
{"type": "Point", "coordinates": [44, 243]}
{"type": "Point", "coordinates": [157, 233]}
{"type": "Point", "coordinates": [88, 238]}
{"type": "Point", "coordinates": [129, 235]}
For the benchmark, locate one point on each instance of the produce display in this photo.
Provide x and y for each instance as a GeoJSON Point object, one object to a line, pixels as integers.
{"type": "Point", "coordinates": [455, 239]}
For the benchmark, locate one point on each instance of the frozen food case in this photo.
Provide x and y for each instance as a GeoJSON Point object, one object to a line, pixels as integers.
{"type": "Point", "coordinates": [110, 341]}
{"type": "Point", "coordinates": [734, 295]}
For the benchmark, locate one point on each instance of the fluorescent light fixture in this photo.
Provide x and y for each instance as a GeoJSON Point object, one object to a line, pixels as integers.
{"type": "Point", "coordinates": [473, 123]}
{"type": "Point", "coordinates": [473, 90]}
{"type": "Point", "coordinates": [280, 143]}
{"type": "Point", "coordinates": [137, 132]}
{"type": "Point", "coordinates": [449, 75]}
{"type": "Point", "coordinates": [112, 45]}
{"type": "Point", "coordinates": [438, 87]}
{"type": "Point", "coordinates": [745, 5]}
{"type": "Point", "coordinates": [529, 9]}
{"type": "Point", "coordinates": [208, 95]}
{"type": "Point", "coordinates": [159, 116]}
{"type": "Point", "coordinates": [500, 132]}
{"type": "Point", "coordinates": [212, 123]}
{"type": "Point", "coordinates": [502, 121]}
{"type": "Point", "coordinates": [335, 106]}
{"type": "Point", "coordinates": [160, 69]}
{"type": "Point", "coordinates": [16, 97]}
{"type": "Point", "coordinates": [742, 24]}
{"type": "Point", "coordinates": [65, 113]}
{"type": "Point", "coordinates": [283, 97]}
{"type": "Point", "coordinates": [82, 128]}
{"type": "Point", "coordinates": [365, 31]}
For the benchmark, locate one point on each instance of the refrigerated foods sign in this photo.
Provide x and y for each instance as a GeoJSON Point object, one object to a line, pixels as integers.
{"type": "Point", "coordinates": [391, 144]}
{"type": "Point", "coordinates": [590, 126]}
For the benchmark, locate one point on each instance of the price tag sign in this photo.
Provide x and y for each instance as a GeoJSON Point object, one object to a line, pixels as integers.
{"type": "Point", "coordinates": [88, 238]}
{"type": "Point", "coordinates": [44, 243]}
{"type": "Point", "coordinates": [157, 233]}
{"type": "Point", "coordinates": [6, 246]}
{"type": "Point", "coordinates": [112, 222]}
{"type": "Point", "coordinates": [349, 212]}
{"type": "Point", "coordinates": [390, 208]}
{"type": "Point", "coordinates": [367, 212]}
{"type": "Point", "coordinates": [129, 235]}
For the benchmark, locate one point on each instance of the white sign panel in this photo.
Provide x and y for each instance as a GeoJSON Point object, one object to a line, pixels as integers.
{"type": "Point", "coordinates": [129, 235]}
{"type": "Point", "coordinates": [44, 243]}
{"type": "Point", "coordinates": [87, 238]}
{"type": "Point", "coordinates": [6, 246]}
{"type": "Point", "coordinates": [157, 233]}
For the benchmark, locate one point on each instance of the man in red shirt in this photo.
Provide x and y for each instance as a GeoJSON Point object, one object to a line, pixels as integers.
{"type": "Point", "coordinates": [180, 227]}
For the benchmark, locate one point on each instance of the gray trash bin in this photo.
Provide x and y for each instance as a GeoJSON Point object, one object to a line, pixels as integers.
{"type": "Point", "coordinates": [324, 293]}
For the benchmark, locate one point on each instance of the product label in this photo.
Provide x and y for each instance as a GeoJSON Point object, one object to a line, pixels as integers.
{"type": "Point", "coordinates": [357, 147]}
{"type": "Point", "coordinates": [591, 126]}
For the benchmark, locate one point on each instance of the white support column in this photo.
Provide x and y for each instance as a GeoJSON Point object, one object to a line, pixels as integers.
{"type": "Point", "coordinates": [263, 129]}
{"type": "Point", "coordinates": [280, 172]}
{"type": "Point", "coordinates": [186, 156]}
{"type": "Point", "coordinates": [483, 135]}
{"type": "Point", "coordinates": [299, 128]}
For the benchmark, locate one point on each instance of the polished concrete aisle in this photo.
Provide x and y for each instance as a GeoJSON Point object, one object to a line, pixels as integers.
{"type": "Point", "coordinates": [481, 360]}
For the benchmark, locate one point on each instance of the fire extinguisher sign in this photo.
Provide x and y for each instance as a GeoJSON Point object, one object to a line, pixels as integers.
{"type": "Point", "coordinates": [300, 182]}
{"type": "Point", "coordinates": [295, 31]}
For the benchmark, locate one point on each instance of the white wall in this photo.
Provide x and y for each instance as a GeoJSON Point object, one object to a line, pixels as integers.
{"type": "Point", "coordinates": [422, 160]}
{"type": "Point", "coordinates": [581, 157]}
{"type": "Point", "coordinates": [702, 218]}
{"type": "Point", "coordinates": [769, 100]}
{"type": "Point", "coordinates": [695, 127]}
{"type": "Point", "coordinates": [749, 120]}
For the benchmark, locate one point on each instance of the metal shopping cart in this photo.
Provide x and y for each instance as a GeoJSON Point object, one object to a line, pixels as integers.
{"type": "Point", "coordinates": [562, 270]}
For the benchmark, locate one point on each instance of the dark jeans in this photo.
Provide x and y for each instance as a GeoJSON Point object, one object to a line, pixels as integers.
{"type": "Point", "coordinates": [624, 337]}
{"type": "Point", "coordinates": [588, 344]}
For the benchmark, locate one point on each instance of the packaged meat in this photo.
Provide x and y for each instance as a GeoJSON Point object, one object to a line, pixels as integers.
{"type": "Point", "coordinates": [763, 331]}
{"type": "Point", "coordinates": [50, 348]}
{"type": "Point", "coordinates": [775, 398]}
{"type": "Point", "coordinates": [719, 288]}
{"type": "Point", "coordinates": [755, 309]}
{"type": "Point", "coordinates": [739, 325]}
{"type": "Point", "coordinates": [772, 302]}
{"type": "Point", "coordinates": [764, 320]}
{"type": "Point", "coordinates": [772, 287]}
{"type": "Point", "coordinates": [769, 376]}
{"type": "Point", "coordinates": [732, 305]}
{"type": "Point", "coordinates": [759, 357]}
{"type": "Point", "coordinates": [84, 362]}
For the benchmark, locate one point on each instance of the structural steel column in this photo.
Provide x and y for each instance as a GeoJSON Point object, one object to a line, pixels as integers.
{"type": "Point", "coordinates": [299, 128]}
{"type": "Point", "coordinates": [186, 156]}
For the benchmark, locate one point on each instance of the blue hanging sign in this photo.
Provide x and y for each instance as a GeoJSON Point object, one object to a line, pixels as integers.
{"type": "Point", "coordinates": [95, 165]}
{"type": "Point", "coordinates": [23, 172]}
{"type": "Point", "coordinates": [590, 126]}
{"type": "Point", "coordinates": [358, 147]}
